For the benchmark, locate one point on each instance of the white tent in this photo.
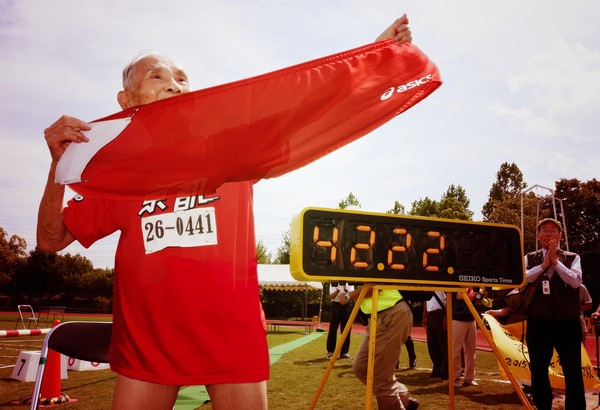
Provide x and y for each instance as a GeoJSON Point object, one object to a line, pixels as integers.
{"type": "Point", "coordinates": [278, 277]}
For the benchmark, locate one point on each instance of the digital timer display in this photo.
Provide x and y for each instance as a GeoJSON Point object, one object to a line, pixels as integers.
{"type": "Point", "coordinates": [332, 245]}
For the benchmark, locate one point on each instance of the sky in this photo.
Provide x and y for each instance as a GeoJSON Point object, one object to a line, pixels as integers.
{"type": "Point", "coordinates": [521, 84]}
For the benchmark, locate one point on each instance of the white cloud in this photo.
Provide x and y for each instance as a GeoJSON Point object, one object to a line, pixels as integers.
{"type": "Point", "coordinates": [559, 90]}
{"type": "Point", "coordinates": [526, 122]}
{"type": "Point", "coordinates": [571, 167]}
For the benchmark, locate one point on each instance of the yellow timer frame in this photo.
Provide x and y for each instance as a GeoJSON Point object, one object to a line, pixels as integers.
{"type": "Point", "coordinates": [356, 246]}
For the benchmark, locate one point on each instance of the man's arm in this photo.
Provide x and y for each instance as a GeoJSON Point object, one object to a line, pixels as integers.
{"type": "Point", "coordinates": [596, 314]}
{"type": "Point", "coordinates": [353, 294]}
{"type": "Point", "coordinates": [335, 293]}
{"type": "Point", "coordinates": [52, 233]}
{"type": "Point", "coordinates": [586, 306]}
{"type": "Point", "coordinates": [533, 273]}
{"type": "Point", "coordinates": [498, 312]}
{"type": "Point", "coordinates": [398, 30]}
{"type": "Point", "coordinates": [571, 275]}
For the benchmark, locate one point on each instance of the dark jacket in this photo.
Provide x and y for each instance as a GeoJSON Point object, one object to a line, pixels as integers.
{"type": "Point", "coordinates": [460, 310]}
{"type": "Point", "coordinates": [563, 301]}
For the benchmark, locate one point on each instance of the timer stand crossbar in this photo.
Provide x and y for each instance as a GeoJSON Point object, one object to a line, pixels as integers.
{"type": "Point", "coordinates": [372, 328]}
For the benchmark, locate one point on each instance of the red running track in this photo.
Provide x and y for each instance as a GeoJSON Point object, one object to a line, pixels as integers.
{"type": "Point", "coordinates": [418, 333]}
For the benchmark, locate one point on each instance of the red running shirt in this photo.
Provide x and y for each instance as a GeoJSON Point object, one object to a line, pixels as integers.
{"type": "Point", "coordinates": [187, 314]}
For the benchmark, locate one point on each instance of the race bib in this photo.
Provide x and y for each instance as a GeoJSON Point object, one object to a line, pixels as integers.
{"type": "Point", "coordinates": [189, 228]}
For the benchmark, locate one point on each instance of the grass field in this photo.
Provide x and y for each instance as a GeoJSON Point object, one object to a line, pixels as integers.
{"type": "Point", "coordinates": [294, 378]}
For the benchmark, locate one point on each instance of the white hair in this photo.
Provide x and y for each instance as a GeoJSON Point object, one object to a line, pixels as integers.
{"type": "Point", "coordinates": [128, 71]}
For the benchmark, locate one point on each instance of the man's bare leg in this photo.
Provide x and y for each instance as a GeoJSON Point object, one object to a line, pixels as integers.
{"type": "Point", "coordinates": [238, 396]}
{"type": "Point", "coordinates": [131, 394]}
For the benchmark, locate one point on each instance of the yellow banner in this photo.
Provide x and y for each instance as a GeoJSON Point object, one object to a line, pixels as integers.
{"type": "Point", "coordinates": [516, 357]}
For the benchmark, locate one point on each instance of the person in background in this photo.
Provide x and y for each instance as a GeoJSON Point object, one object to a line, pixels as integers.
{"type": "Point", "coordinates": [339, 318]}
{"type": "Point", "coordinates": [410, 349]}
{"type": "Point", "coordinates": [596, 315]}
{"type": "Point", "coordinates": [464, 340]}
{"type": "Point", "coordinates": [553, 318]}
{"type": "Point", "coordinates": [394, 322]}
{"type": "Point", "coordinates": [585, 300]}
{"type": "Point", "coordinates": [434, 322]}
{"type": "Point", "coordinates": [215, 283]}
{"type": "Point", "coordinates": [412, 355]}
{"type": "Point", "coordinates": [503, 307]}
{"type": "Point", "coordinates": [481, 300]}
{"type": "Point", "coordinates": [500, 309]}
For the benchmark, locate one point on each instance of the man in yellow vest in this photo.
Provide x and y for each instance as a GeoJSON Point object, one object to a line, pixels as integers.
{"type": "Point", "coordinates": [394, 322]}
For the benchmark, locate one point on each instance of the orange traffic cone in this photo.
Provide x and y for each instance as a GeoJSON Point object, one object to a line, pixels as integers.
{"type": "Point", "coordinates": [50, 390]}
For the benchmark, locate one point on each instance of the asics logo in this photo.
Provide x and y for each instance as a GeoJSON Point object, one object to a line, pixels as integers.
{"type": "Point", "coordinates": [405, 87]}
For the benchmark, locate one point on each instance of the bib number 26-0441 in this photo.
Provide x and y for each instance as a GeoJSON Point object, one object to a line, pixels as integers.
{"type": "Point", "coordinates": [190, 228]}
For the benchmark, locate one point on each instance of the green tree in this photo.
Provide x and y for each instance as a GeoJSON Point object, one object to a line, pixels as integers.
{"type": "Point", "coordinates": [505, 200]}
{"type": "Point", "coordinates": [10, 248]}
{"type": "Point", "coordinates": [509, 185]}
{"type": "Point", "coordinates": [72, 270]}
{"type": "Point", "coordinates": [263, 256]}
{"type": "Point", "coordinates": [50, 278]}
{"type": "Point", "coordinates": [39, 275]}
{"type": "Point", "coordinates": [454, 204]}
{"type": "Point", "coordinates": [351, 200]}
{"type": "Point", "coordinates": [581, 204]}
{"type": "Point", "coordinates": [398, 209]}
{"type": "Point", "coordinates": [41, 278]}
{"type": "Point", "coordinates": [425, 207]}
{"type": "Point", "coordinates": [73, 267]}
{"type": "Point", "coordinates": [95, 290]}
{"type": "Point", "coordinates": [12, 258]}
{"type": "Point", "coordinates": [283, 251]}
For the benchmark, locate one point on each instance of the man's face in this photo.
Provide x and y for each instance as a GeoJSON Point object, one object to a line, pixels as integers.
{"type": "Point", "coordinates": [547, 232]}
{"type": "Point", "coordinates": [154, 78]}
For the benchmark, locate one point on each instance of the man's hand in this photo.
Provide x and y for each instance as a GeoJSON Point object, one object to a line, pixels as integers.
{"type": "Point", "coordinates": [399, 31]}
{"type": "Point", "coordinates": [553, 251]}
{"type": "Point", "coordinates": [551, 255]}
{"type": "Point", "coordinates": [63, 132]}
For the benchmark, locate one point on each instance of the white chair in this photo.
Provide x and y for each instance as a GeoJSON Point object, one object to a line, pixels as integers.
{"type": "Point", "coordinates": [88, 341]}
{"type": "Point", "coordinates": [28, 311]}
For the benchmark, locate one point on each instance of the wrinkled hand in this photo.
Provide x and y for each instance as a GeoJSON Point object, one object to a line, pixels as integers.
{"type": "Point", "coordinates": [62, 133]}
{"type": "Point", "coordinates": [398, 30]}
